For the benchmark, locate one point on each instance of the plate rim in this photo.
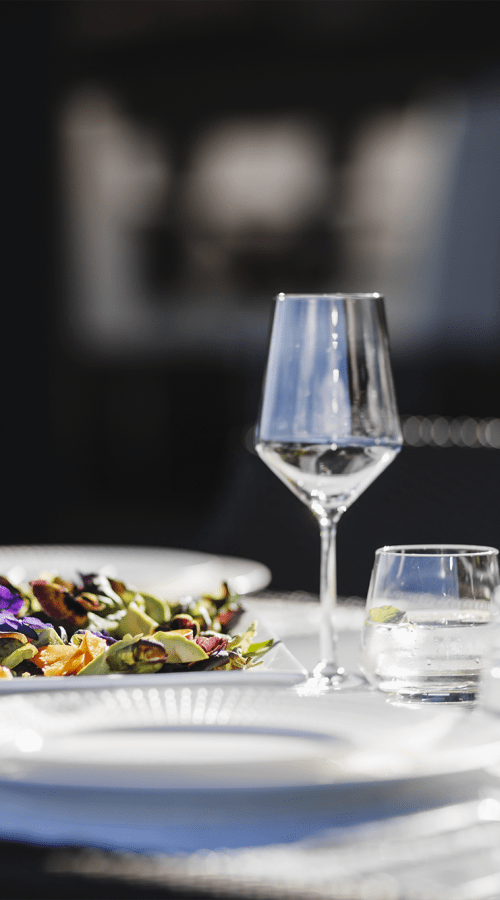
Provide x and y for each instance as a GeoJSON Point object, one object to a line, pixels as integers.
{"type": "Point", "coordinates": [254, 566]}
{"type": "Point", "coordinates": [450, 761]}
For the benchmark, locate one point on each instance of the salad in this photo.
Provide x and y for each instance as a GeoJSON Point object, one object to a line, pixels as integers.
{"type": "Point", "coordinates": [98, 625]}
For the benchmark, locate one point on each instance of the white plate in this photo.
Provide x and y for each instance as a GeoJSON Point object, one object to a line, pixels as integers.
{"type": "Point", "coordinates": [220, 736]}
{"type": "Point", "coordinates": [208, 766]}
{"type": "Point", "coordinates": [169, 574]}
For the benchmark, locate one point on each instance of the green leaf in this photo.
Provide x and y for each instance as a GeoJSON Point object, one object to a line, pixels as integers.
{"type": "Point", "coordinates": [109, 624]}
{"type": "Point", "coordinates": [388, 615]}
{"type": "Point", "coordinates": [135, 621]}
{"type": "Point", "coordinates": [132, 655]}
{"type": "Point", "coordinates": [9, 642]}
{"type": "Point", "coordinates": [48, 636]}
{"type": "Point", "coordinates": [98, 666]}
{"type": "Point", "coordinates": [27, 651]}
{"type": "Point", "coordinates": [159, 610]}
{"type": "Point", "coordinates": [115, 599]}
{"type": "Point", "coordinates": [260, 648]}
{"type": "Point", "coordinates": [179, 648]}
{"type": "Point", "coordinates": [243, 641]}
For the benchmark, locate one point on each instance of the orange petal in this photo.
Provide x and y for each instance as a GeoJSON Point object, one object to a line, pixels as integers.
{"type": "Point", "coordinates": [53, 653]}
{"type": "Point", "coordinates": [64, 659]}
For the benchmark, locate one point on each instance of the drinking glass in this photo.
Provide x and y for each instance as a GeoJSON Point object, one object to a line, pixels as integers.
{"type": "Point", "coordinates": [428, 620]}
{"type": "Point", "coordinates": [328, 424]}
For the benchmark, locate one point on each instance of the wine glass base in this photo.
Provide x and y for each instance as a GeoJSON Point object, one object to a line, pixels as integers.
{"type": "Point", "coordinates": [336, 678]}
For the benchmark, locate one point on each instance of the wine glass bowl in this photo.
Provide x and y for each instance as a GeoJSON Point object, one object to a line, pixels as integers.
{"type": "Point", "coordinates": [328, 424]}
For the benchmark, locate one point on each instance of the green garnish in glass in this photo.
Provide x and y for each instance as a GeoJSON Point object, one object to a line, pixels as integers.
{"type": "Point", "coordinates": [386, 615]}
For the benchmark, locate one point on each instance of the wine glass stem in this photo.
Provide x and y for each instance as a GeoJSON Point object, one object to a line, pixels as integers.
{"type": "Point", "coordinates": [328, 597]}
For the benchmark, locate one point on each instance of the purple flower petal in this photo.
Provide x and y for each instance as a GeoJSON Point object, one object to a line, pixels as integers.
{"type": "Point", "coordinates": [10, 601]}
{"type": "Point", "coordinates": [26, 626]}
{"type": "Point", "coordinates": [9, 622]}
{"type": "Point", "coordinates": [35, 623]}
{"type": "Point", "coordinates": [27, 630]}
{"type": "Point", "coordinates": [102, 634]}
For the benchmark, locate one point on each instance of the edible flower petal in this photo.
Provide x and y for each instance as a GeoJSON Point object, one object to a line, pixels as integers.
{"type": "Point", "coordinates": [9, 622]}
{"type": "Point", "coordinates": [10, 600]}
{"type": "Point", "coordinates": [67, 659]}
{"type": "Point", "coordinates": [212, 643]}
{"type": "Point", "coordinates": [58, 603]}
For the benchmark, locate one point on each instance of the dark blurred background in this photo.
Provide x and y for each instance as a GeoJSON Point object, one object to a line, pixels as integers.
{"type": "Point", "coordinates": [169, 167]}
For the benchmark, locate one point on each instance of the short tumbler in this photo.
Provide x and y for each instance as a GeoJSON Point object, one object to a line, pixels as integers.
{"type": "Point", "coordinates": [427, 623]}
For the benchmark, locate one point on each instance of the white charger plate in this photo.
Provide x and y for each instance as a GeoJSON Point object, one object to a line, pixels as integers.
{"type": "Point", "coordinates": [211, 766]}
{"type": "Point", "coordinates": [168, 573]}
{"type": "Point", "coordinates": [210, 735]}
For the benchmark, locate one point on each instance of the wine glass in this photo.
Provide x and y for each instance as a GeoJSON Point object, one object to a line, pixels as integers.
{"type": "Point", "coordinates": [328, 424]}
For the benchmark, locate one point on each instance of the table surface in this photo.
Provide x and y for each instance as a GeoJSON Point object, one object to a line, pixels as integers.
{"type": "Point", "coordinates": [446, 853]}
